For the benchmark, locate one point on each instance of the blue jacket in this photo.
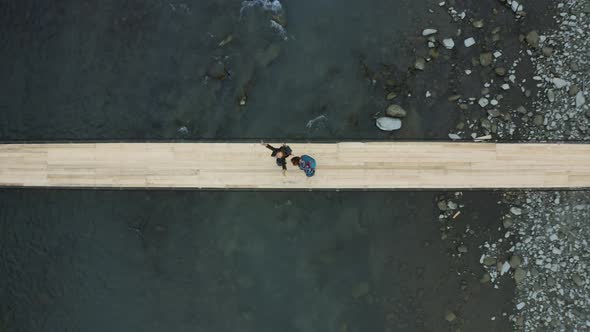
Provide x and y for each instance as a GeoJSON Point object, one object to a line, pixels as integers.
{"type": "Point", "coordinates": [307, 164]}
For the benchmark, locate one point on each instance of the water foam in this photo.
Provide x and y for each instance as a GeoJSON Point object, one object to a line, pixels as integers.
{"type": "Point", "coordinates": [274, 6]}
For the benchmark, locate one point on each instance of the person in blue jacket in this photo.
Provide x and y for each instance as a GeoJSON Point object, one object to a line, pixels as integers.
{"type": "Point", "coordinates": [306, 163]}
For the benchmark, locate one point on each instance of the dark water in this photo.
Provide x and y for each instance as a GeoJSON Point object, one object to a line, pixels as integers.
{"type": "Point", "coordinates": [240, 261]}
{"type": "Point", "coordinates": [75, 70]}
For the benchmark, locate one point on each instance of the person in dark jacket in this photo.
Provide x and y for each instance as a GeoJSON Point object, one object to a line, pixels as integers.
{"type": "Point", "coordinates": [281, 153]}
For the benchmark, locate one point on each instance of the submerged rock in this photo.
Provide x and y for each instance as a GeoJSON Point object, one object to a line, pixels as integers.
{"type": "Point", "coordinates": [396, 111]}
{"type": "Point", "coordinates": [500, 71]}
{"type": "Point", "coordinates": [519, 275]}
{"type": "Point", "coordinates": [388, 124]}
{"type": "Point", "coordinates": [360, 290]}
{"type": "Point", "coordinates": [450, 316]}
{"type": "Point", "coordinates": [270, 54]}
{"type": "Point", "coordinates": [515, 261]}
{"type": "Point", "coordinates": [420, 64]}
{"type": "Point", "coordinates": [485, 59]}
{"type": "Point", "coordinates": [532, 38]}
{"type": "Point", "coordinates": [216, 70]}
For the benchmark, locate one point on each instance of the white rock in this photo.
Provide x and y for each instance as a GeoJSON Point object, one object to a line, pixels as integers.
{"type": "Point", "coordinates": [520, 306]}
{"type": "Point", "coordinates": [514, 6]}
{"type": "Point", "coordinates": [468, 71]}
{"type": "Point", "coordinates": [580, 99]}
{"type": "Point", "coordinates": [559, 83]}
{"type": "Point", "coordinates": [449, 43]}
{"type": "Point", "coordinates": [483, 102]}
{"type": "Point", "coordinates": [497, 54]}
{"type": "Point", "coordinates": [469, 42]}
{"type": "Point", "coordinates": [505, 268]}
{"type": "Point", "coordinates": [388, 124]}
{"type": "Point", "coordinates": [428, 32]}
{"type": "Point", "coordinates": [428, 94]}
{"type": "Point", "coordinates": [553, 237]}
{"type": "Point", "coordinates": [494, 102]}
{"type": "Point", "coordinates": [454, 137]}
{"type": "Point", "coordinates": [516, 211]}
{"type": "Point", "coordinates": [505, 86]}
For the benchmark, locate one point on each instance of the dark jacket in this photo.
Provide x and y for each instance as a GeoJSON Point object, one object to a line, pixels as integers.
{"type": "Point", "coordinates": [282, 162]}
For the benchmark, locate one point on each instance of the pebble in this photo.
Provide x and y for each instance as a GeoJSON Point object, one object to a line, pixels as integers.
{"type": "Point", "coordinates": [450, 316]}
{"type": "Point", "coordinates": [442, 205]}
{"type": "Point", "coordinates": [516, 211]}
{"type": "Point", "coordinates": [489, 261]}
{"type": "Point", "coordinates": [452, 205]}
{"type": "Point", "coordinates": [391, 96]}
{"type": "Point", "coordinates": [538, 120]}
{"type": "Point", "coordinates": [462, 249]}
{"type": "Point", "coordinates": [559, 83]}
{"type": "Point", "coordinates": [500, 71]}
{"type": "Point", "coordinates": [494, 113]}
{"type": "Point", "coordinates": [507, 223]}
{"type": "Point", "coordinates": [396, 111]}
{"type": "Point", "coordinates": [505, 86]}
{"type": "Point", "coordinates": [420, 64]}
{"type": "Point", "coordinates": [578, 280]}
{"type": "Point", "coordinates": [388, 124]}
{"type": "Point", "coordinates": [520, 305]}
{"type": "Point", "coordinates": [483, 102]}
{"type": "Point", "coordinates": [478, 24]}
{"type": "Point", "coordinates": [454, 98]}
{"type": "Point", "coordinates": [573, 90]}
{"type": "Point", "coordinates": [449, 43]}
{"type": "Point", "coordinates": [547, 51]}
{"type": "Point", "coordinates": [580, 99]}
{"type": "Point", "coordinates": [428, 32]}
{"type": "Point", "coordinates": [469, 42]}
{"type": "Point", "coordinates": [551, 95]}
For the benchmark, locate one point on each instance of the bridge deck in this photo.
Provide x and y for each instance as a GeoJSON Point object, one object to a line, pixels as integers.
{"type": "Point", "coordinates": [374, 165]}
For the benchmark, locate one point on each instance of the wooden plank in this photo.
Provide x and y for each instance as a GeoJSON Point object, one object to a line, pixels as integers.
{"type": "Point", "coordinates": [347, 165]}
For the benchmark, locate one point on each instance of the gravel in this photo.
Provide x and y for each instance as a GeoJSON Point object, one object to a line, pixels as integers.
{"type": "Point", "coordinates": [545, 250]}
{"type": "Point", "coordinates": [561, 79]}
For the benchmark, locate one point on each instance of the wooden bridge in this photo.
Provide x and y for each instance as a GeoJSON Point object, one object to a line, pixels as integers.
{"type": "Point", "coordinates": [351, 165]}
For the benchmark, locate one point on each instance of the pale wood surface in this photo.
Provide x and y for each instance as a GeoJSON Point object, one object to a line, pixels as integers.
{"type": "Point", "coordinates": [373, 165]}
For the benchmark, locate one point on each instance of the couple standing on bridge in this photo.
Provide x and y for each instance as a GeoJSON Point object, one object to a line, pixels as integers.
{"type": "Point", "coordinates": [306, 163]}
